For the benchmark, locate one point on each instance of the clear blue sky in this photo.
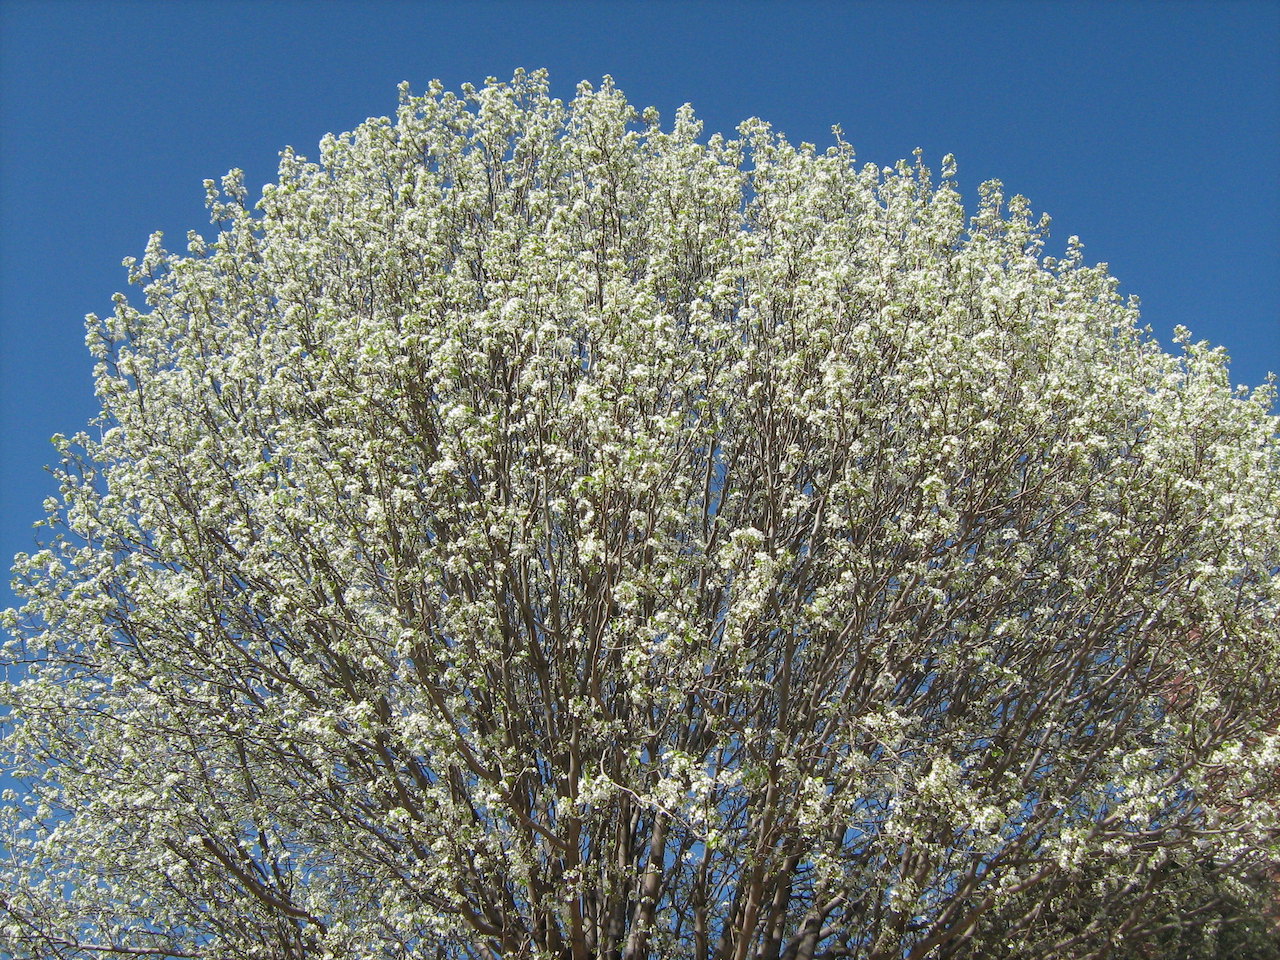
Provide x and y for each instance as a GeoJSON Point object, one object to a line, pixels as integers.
{"type": "Point", "coordinates": [1151, 130]}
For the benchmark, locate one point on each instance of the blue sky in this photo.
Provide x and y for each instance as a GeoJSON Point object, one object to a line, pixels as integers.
{"type": "Point", "coordinates": [1151, 130]}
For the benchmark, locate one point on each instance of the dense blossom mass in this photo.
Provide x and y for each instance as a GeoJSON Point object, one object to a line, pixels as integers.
{"type": "Point", "coordinates": [535, 532]}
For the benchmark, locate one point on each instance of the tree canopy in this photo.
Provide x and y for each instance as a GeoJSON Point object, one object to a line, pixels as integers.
{"type": "Point", "coordinates": [534, 532]}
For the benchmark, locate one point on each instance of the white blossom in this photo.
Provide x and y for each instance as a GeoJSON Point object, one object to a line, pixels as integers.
{"type": "Point", "coordinates": [533, 532]}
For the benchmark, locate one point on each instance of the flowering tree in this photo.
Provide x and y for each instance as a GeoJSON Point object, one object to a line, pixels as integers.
{"type": "Point", "coordinates": [534, 533]}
